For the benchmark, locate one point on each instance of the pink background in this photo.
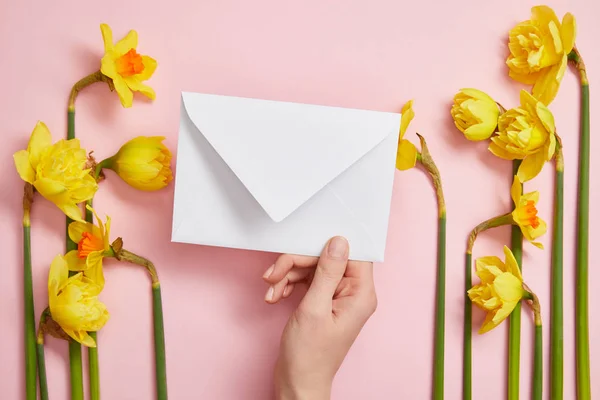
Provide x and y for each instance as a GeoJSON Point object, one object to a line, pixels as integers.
{"type": "Point", "coordinates": [222, 339]}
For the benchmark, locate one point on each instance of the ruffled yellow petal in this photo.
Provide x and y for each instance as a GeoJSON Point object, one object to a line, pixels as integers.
{"type": "Point", "coordinates": [24, 168]}
{"type": "Point", "coordinates": [508, 287]}
{"type": "Point", "coordinates": [130, 41]}
{"type": "Point", "coordinates": [407, 155]}
{"type": "Point", "coordinates": [41, 138]}
{"type": "Point", "coordinates": [548, 83]}
{"type": "Point", "coordinates": [531, 166]}
{"type": "Point", "coordinates": [407, 116]}
{"type": "Point", "coordinates": [545, 115]}
{"type": "Point", "coordinates": [107, 37]}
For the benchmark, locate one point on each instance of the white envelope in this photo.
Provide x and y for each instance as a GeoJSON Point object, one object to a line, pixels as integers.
{"type": "Point", "coordinates": [283, 177]}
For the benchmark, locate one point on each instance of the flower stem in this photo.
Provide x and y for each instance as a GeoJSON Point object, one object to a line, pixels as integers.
{"type": "Point", "coordinates": [467, 331]}
{"type": "Point", "coordinates": [29, 310]}
{"type": "Point", "coordinates": [514, 329]}
{"type": "Point", "coordinates": [582, 346]}
{"type": "Point", "coordinates": [501, 220]}
{"type": "Point", "coordinates": [93, 367]}
{"type": "Point", "coordinates": [83, 83]}
{"type": "Point", "coordinates": [41, 358]}
{"type": "Point", "coordinates": [538, 369]}
{"type": "Point", "coordinates": [440, 294]}
{"type": "Point", "coordinates": [556, 314]}
{"type": "Point", "coordinates": [157, 314]}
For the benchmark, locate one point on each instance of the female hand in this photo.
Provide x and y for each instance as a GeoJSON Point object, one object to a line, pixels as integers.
{"type": "Point", "coordinates": [339, 301]}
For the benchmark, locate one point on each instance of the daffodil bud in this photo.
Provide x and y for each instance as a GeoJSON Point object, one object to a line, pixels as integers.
{"type": "Point", "coordinates": [74, 303]}
{"type": "Point", "coordinates": [475, 114]}
{"type": "Point", "coordinates": [500, 290]}
{"type": "Point", "coordinates": [538, 51]}
{"type": "Point", "coordinates": [143, 162]}
{"type": "Point", "coordinates": [526, 133]}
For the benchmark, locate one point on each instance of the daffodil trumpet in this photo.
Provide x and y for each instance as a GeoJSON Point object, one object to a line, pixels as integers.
{"type": "Point", "coordinates": [514, 322]}
{"type": "Point", "coordinates": [582, 345]}
{"type": "Point", "coordinates": [157, 313]}
{"type": "Point", "coordinates": [556, 295]}
{"type": "Point", "coordinates": [440, 296]}
{"type": "Point", "coordinates": [30, 339]}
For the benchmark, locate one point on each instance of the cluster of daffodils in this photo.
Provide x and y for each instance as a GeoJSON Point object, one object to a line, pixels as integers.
{"type": "Point", "coordinates": [67, 175]}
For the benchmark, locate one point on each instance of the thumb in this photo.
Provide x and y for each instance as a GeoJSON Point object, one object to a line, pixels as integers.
{"type": "Point", "coordinates": [328, 274]}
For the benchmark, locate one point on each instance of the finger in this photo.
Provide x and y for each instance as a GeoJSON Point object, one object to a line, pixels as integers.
{"type": "Point", "coordinates": [285, 263]}
{"type": "Point", "coordinates": [275, 292]}
{"type": "Point", "coordinates": [363, 270]}
{"type": "Point", "coordinates": [288, 290]}
{"type": "Point", "coordinates": [328, 274]}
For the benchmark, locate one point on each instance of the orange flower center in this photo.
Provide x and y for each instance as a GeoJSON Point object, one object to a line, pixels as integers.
{"type": "Point", "coordinates": [529, 214]}
{"type": "Point", "coordinates": [130, 63]}
{"type": "Point", "coordinates": [89, 243]}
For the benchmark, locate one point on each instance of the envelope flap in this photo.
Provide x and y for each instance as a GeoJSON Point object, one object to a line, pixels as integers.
{"type": "Point", "coordinates": [283, 152]}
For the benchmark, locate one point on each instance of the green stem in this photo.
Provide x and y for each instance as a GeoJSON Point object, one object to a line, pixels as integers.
{"type": "Point", "coordinates": [75, 363]}
{"type": "Point", "coordinates": [582, 339]}
{"type": "Point", "coordinates": [556, 296]}
{"type": "Point", "coordinates": [467, 331]}
{"type": "Point", "coordinates": [71, 124]}
{"type": "Point", "coordinates": [514, 329]}
{"type": "Point", "coordinates": [29, 311]}
{"type": "Point", "coordinates": [159, 343]}
{"type": "Point", "coordinates": [440, 310]}
{"type": "Point", "coordinates": [537, 386]}
{"type": "Point", "coordinates": [41, 358]}
{"type": "Point", "coordinates": [93, 367]}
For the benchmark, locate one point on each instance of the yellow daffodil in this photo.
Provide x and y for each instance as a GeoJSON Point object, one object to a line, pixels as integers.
{"type": "Point", "coordinates": [475, 114]}
{"type": "Point", "coordinates": [538, 51]}
{"type": "Point", "coordinates": [93, 244]}
{"type": "Point", "coordinates": [500, 290]}
{"type": "Point", "coordinates": [56, 170]}
{"type": "Point", "coordinates": [74, 303]}
{"type": "Point", "coordinates": [407, 152]}
{"type": "Point", "coordinates": [525, 213]}
{"type": "Point", "coordinates": [143, 162]}
{"type": "Point", "coordinates": [526, 133]}
{"type": "Point", "coordinates": [127, 69]}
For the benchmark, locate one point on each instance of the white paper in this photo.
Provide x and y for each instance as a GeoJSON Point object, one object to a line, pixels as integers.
{"type": "Point", "coordinates": [283, 177]}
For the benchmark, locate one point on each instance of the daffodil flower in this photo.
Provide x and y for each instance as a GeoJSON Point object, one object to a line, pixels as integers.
{"type": "Point", "coordinates": [127, 69]}
{"type": "Point", "coordinates": [525, 213]}
{"type": "Point", "coordinates": [475, 114]}
{"type": "Point", "coordinates": [500, 290]}
{"type": "Point", "coordinates": [407, 152]}
{"type": "Point", "coordinates": [92, 246]}
{"type": "Point", "coordinates": [74, 304]}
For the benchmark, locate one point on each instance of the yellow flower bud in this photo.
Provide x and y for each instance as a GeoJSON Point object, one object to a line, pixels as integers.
{"type": "Point", "coordinates": [74, 303]}
{"type": "Point", "coordinates": [127, 69]}
{"type": "Point", "coordinates": [526, 133]}
{"type": "Point", "coordinates": [143, 162]}
{"type": "Point", "coordinates": [57, 170]}
{"type": "Point", "coordinates": [475, 114]}
{"type": "Point", "coordinates": [538, 51]}
{"type": "Point", "coordinates": [500, 290]}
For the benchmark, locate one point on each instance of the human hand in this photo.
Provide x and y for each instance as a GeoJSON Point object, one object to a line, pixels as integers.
{"type": "Point", "coordinates": [339, 301]}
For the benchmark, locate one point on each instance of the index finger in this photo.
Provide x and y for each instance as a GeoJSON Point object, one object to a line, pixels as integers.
{"type": "Point", "coordinates": [363, 270]}
{"type": "Point", "coordinates": [285, 263]}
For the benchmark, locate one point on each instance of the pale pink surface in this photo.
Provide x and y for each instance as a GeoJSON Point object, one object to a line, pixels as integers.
{"type": "Point", "coordinates": [222, 339]}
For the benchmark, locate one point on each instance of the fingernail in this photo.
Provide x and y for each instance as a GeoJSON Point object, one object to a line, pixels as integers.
{"type": "Point", "coordinates": [338, 247]}
{"type": "Point", "coordinates": [270, 293]}
{"type": "Point", "coordinates": [269, 271]}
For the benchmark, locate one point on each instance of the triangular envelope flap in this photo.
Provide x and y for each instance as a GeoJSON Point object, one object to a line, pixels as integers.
{"type": "Point", "coordinates": [283, 152]}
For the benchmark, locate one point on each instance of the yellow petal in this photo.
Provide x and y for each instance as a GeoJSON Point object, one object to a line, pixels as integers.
{"type": "Point", "coordinates": [58, 274]}
{"type": "Point", "coordinates": [24, 168]}
{"type": "Point", "coordinates": [107, 37]}
{"type": "Point", "coordinates": [41, 138]}
{"type": "Point", "coordinates": [538, 245]}
{"type": "Point", "coordinates": [407, 115]}
{"type": "Point", "coordinates": [516, 190]}
{"type": "Point", "coordinates": [76, 230]}
{"type": "Point", "coordinates": [477, 94]}
{"type": "Point", "coordinates": [483, 270]}
{"type": "Point", "coordinates": [511, 263]}
{"type": "Point", "coordinates": [531, 166]}
{"type": "Point", "coordinates": [81, 336]}
{"type": "Point", "coordinates": [95, 272]}
{"type": "Point", "coordinates": [137, 86]}
{"type": "Point", "coordinates": [130, 41]}
{"type": "Point", "coordinates": [488, 323]}
{"type": "Point", "coordinates": [150, 65]}
{"type": "Point", "coordinates": [568, 32]}
{"type": "Point", "coordinates": [74, 262]}
{"type": "Point", "coordinates": [508, 287]}
{"type": "Point", "coordinates": [72, 211]}
{"type": "Point", "coordinates": [407, 155]}
{"type": "Point", "coordinates": [500, 151]}
{"type": "Point", "coordinates": [125, 94]}
{"type": "Point", "coordinates": [546, 87]}
{"type": "Point", "coordinates": [108, 67]}
{"type": "Point", "coordinates": [545, 115]}
{"type": "Point", "coordinates": [545, 15]}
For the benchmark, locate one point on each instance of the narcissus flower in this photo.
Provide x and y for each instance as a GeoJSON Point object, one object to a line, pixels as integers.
{"type": "Point", "coordinates": [127, 69]}
{"type": "Point", "coordinates": [475, 114]}
{"type": "Point", "coordinates": [526, 133]}
{"type": "Point", "coordinates": [56, 170]}
{"type": "Point", "coordinates": [92, 246]}
{"type": "Point", "coordinates": [74, 303]}
{"type": "Point", "coordinates": [143, 162]}
{"type": "Point", "coordinates": [525, 213]}
{"type": "Point", "coordinates": [500, 290]}
{"type": "Point", "coordinates": [407, 152]}
{"type": "Point", "coordinates": [538, 51]}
